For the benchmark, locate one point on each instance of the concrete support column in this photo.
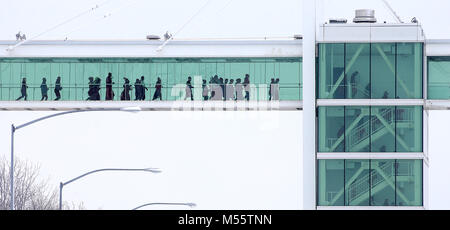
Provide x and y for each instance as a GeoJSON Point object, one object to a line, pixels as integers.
{"type": "Point", "coordinates": [309, 104]}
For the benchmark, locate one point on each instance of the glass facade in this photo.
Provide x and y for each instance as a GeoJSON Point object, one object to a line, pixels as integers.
{"type": "Point", "coordinates": [369, 182]}
{"type": "Point", "coordinates": [370, 129]}
{"type": "Point", "coordinates": [174, 72]}
{"type": "Point", "coordinates": [370, 71]}
{"type": "Point", "coordinates": [439, 78]}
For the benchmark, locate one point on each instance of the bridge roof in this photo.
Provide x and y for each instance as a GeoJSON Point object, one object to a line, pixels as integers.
{"type": "Point", "coordinates": [148, 48]}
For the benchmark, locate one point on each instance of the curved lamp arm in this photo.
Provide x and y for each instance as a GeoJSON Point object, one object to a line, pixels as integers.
{"type": "Point", "coordinates": [61, 185]}
{"type": "Point", "coordinates": [152, 170]}
{"type": "Point", "coordinates": [128, 109]}
{"type": "Point", "coordinates": [185, 204]}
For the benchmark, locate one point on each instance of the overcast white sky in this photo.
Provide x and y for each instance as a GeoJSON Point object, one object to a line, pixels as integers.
{"type": "Point", "coordinates": [219, 160]}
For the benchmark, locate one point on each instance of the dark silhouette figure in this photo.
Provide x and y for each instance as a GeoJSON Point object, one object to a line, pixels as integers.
{"type": "Point", "coordinates": [91, 89]}
{"type": "Point", "coordinates": [58, 88]}
{"type": "Point", "coordinates": [272, 85]}
{"type": "Point", "coordinates": [96, 89]}
{"type": "Point", "coordinates": [239, 90]}
{"type": "Point", "coordinates": [222, 87]}
{"type": "Point", "coordinates": [230, 89]}
{"type": "Point", "coordinates": [189, 89]}
{"type": "Point", "coordinates": [143, 88]}
{"type": "Point", "coordinates": [137, 90]}
{"type": "Point", "coordinates": [354, 78]}
{"type": "Point", "coordinates": [385, 95]}
{"type": "Point", "coordinates": [44, 89]}
{"type": "Point", "coordinates": [276, 90]}
{"type": "Point", "coordinates": [213, 82]}
{"type": "Point", "coordinates": [109, 88]}
{"type": "Point", "coordinates": [158, 87]}
{"type": "Point", "coordinates": [125, 95]}
{"type": "Point", "coordinates": [205, 90]}
{"type": "Point", "coordinates": [247, 87]}
{"type": "Point", "coordinates": [23, 90]}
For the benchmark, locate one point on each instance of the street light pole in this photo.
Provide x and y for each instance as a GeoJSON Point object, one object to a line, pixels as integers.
{"type": "Point", "coordinates": [61, 185]}
{"type": "Point", "coordinates": [185, 204]}
{"type": "Point", "coordinates": [14, 128]}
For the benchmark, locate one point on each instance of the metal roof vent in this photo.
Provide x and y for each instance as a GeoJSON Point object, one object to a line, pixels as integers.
{"type": "Point", "coordinates": [364, 16]}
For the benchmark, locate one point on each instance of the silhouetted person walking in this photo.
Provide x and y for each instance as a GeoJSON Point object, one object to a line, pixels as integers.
{"type": "Point", "coordinates": [58, 88]}
{"type": "Point", "coordinates": [225, 89]}
{"type": "Point", "coordinates": [96, 89]}
{"type": "Point", "coordinates": [229, 89]}
{"type": "Point", "coordinates": [205, 90]}
{"type": "Point", "coordinates": [143, 88]}
{"type": "Point", "coordinates": [137, 90]}
{"type": "Point", "coordinates": [91, 89]}
{"type": "Point", "coordinates": [125, 95]}
{"type": "Point", "coordinates": [109, 88]}
{"type": "Point", "coordinates": [189, 89]}
{"type": "Point", "coordinates": [44, 89]}
{"type": "Point", "coordinates": [239, 90]}
{"type": "Point", "coordinates": [276, 90]}
{"type": "Point", "coordinates": [213, 87]}
{"type": "Point", "coordinates": [272, 83]}
{"type": "Point", "coordinates": [158, 87]}
{"type": "Point", "coordinates": [23, 90]}
{"type": "Point", "coordinates": [222, 87]}
{"type": "Point", "coordinates": [247, 86]}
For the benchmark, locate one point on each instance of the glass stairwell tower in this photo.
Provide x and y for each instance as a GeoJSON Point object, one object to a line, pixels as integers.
{"type": "Point", "coordinates": [370, 122]}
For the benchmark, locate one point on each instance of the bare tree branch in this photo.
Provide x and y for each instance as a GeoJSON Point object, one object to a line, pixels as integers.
{"type": "Point", "coordinates": [30, 193]}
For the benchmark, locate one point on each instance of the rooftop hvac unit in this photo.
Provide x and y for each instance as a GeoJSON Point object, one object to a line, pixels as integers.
{"type": "Point", "coordinates": [364, 16]}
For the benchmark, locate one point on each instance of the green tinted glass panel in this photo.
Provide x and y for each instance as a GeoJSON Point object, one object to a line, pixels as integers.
{"type": "Point", "coordinates": [331, 71]}
{"type": "Point", "coordinates": [331, 129]}
{"type": "Point", "coordinates": [382, 129]}
{"type": "Point", "coordinates": [357, 127]}
{"type": "Point", "coordinates": [331, 183]}
{"type": "Point", "coordinates": [439, 78]}
{"type": "Point", "coordinates": [382, 182]}
{"type": "Point", "coordinates": [370, 70]}
{"type": "Point", "coordinates": [409, 70]}
{"type": "Point", "coordinates": [357, 186]}
{"type": "Point", "coordinates": [409, 129]}
{"type": "Point", "coordinates": [173, 72]}
{"type": "Point", "coordinates": [370, 129]}
{"type": "Point", "coordinates": [383, 70]}
{"type": "Point", "coordinates": [409, 183]}
{"type": "Point", "coordinates": [357, 71]}
{"type": "Point", "coordinates": [370, 182]}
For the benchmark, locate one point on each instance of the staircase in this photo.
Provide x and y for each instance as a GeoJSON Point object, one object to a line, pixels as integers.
{"type": "Point", "coordinates": [357, 191]}
{"type": "Point", "coordinates": [361, 133]}
{"type": "Point", "coordinates": [360, 137]}
{"type": "Point", "coordinates": [379, 178]}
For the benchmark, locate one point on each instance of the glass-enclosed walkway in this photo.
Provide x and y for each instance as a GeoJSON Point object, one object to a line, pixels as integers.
{"type": "Point", "coordinates": [439, 78]}
{"type": "Point", "coordinates": [79, 79]}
